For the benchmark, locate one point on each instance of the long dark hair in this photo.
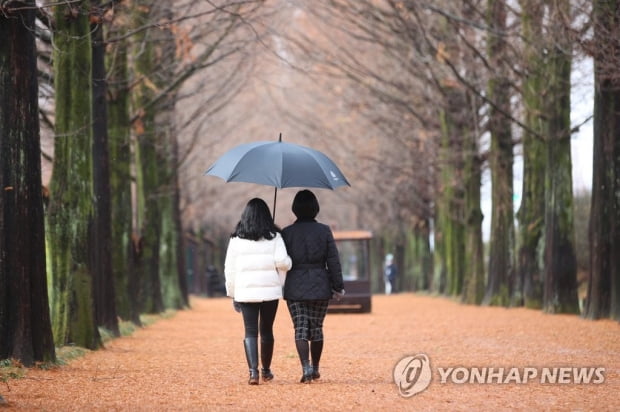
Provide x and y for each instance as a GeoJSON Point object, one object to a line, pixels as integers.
{"type": "Point", "coordinates": [256, 222]}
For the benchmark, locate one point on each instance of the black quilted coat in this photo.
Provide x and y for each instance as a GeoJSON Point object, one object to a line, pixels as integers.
{"type": "Point", "coordinates": [316, 264]}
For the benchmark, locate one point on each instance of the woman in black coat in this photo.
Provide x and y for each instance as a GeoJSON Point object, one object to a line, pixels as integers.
{"type": "Point", "coordinates": [315, 277]}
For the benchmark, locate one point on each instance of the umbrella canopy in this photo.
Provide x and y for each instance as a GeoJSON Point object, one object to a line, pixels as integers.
{"type": "Point", "coordinates": [278, 164]}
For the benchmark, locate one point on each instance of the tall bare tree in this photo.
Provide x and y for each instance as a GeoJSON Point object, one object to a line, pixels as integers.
{"type": "Point", "coordinates": [474, 271]}
{"type": "Point", "coordinates": [25, 328]}
{"type": "Point", "coordinates": [501, 253]}
{"type": "Point", "coordinates": [125, 247]}
{"type": "Point", "coordinates": [101, 246]}
{"type": "Point", "coordinates": [171, 268]}
{"type": "Point", "coordinates": [368, 57]}
{"type": "Point", "coordinates": [71, 211]}
{"type": "Point", "coordinates": [149, 158]}
{"type": "Point", "coordinates": [603, 298]}
{"type": "Point", "coordinates": [560, 267]}
{"type": "Point", "coordinates": [172, 46]}
{"type": "Point", "coordinates": [529, 278]}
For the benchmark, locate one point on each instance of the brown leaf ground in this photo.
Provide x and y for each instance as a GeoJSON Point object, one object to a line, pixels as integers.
{"type": "Point", "coordinates": [194, 361]}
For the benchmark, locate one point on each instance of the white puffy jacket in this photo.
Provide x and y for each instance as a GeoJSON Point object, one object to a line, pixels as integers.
{"type": "Point", "coordinates": [251, 269]}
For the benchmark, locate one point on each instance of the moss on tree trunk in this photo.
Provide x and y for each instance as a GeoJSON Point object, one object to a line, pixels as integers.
{"type": "Point", "coordinates": [501, 249]}
{"type": "Point", "coordinates": [527, 287]}
{"type": "Point", "coordinates": [417, 268]}
{"type": "Point", "coordinates": [149, 217]}
{"type": "Point", "coordinates": [70, 217]}
{"type": "Point", "coordinates": [560, 284]}
{"type": "Point", "coordinates": [171, 291]}
{"type": "Point", "coordinates": [473, 282]}
{"type": "Point", "coordinates": [451, 220]}
{"type": "Point", "coordinates": [171, 268]}
{"type": "Point", "coordinates": [101, 241]}
{"type": "Point", "coordinates": [125, 276]}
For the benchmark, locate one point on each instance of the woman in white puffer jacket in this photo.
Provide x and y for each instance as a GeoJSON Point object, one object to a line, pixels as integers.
{"type": "Point", "coordinates": [256, 261]}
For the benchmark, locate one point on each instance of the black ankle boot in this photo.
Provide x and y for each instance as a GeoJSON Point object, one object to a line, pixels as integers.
{"type": "Point", "coordinates": [306, 368]}
{"type": "Point", "coordinates": [315, 372]}
{"type": "Point", "coordinates": [316, 349]}
{"type": "Point", "coordinates": [267, 374]}
{"type": "Point", "coordinates": [251, 355]}
{"type": "Point", "coordinates": [266, 353]}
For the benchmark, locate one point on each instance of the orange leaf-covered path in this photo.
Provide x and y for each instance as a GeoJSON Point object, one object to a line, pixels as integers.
{"type": "Point", "coordinates": [194, 361]}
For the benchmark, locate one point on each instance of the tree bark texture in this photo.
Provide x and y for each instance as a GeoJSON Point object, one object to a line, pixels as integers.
{"type": "Point", "coordinates": [181, 266]}
{"type": "Point", "coordinates": [438, 284]}
{"type": "Point", "coordinates": [149, 162]}
{"type": "Point", "coordinates": [474, 280]}
{"type": "Point", "coordinates": [101, 241]}
{"type": "Point", "coordinates": [452, 194]}
{"type": "Point", "coordinates": [417, 268]}
{"type": "Point", "coordinates": [25, 326]}
{"type": "Point", "coordinates": [603, 298]}
{"type": "Point", "coordinates": [180, 244]}
{"type": "Point", "coordinates": [560, 267]}
{"type": "Point", "coordinates": [528, 279]}
{"type": "Point", "coordinates": [501, 252]}
{"type": "Point", "coordinates": [168, 268]}
{"type": "Point", "coordinates": [126, 282]}
{"type": "Point", "coordinates": [171, 269]}
{"type": "Point", "coordinates": [71, 212]}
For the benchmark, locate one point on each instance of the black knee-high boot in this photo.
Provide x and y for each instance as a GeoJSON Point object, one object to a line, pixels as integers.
{"type": "Point", "coordinates": [316, 348]}
{"type": "Point", "coordinates": [266, 354]}
{"type": "Point", "coordinates": [303, 350]}
{"type": "Point", "coordinates": [251, 354]}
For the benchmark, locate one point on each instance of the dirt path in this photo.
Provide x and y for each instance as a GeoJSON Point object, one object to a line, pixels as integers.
{"type": "Point", "coordinates": [194, 361]}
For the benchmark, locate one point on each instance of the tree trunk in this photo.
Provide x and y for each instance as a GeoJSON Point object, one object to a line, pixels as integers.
{"type": "Point", "coordinates": [560, 285]}
{"type": "Point", "coordinates": [149, 161]}
{"type": "Point", "coordinates": [459, 163]}
{"type": "Point", "coordinates": [528, 279]}
{"type": "Point", "coordinates": [178, 233]}
{"type": "Point", "coordinates": [417, 267]}
{"type": "Point", "coordinates": [101, 241]}
{"type": "Point", "coordinates": [171, 269]}
{"type": "Point", "coordinates": [126, 282]}
{"type": "Point", "coordinates": [71, 214]}
{"type": "Point", "coordinates": [438, 283]}
{"type": "Point", "coordinates": [452, 201]}
{"type": "Point", "coordinates": [473, 266]}
{"type": "Point", "coordinates": [473, 283]}
{"type": "Point", "coordinates": [25, 328]}
{"type": "Point", "coordinates": [501, 253]}
{"type": "Point", "coordinates": [150, 220]}
{"type": "Point", "coordinates": [603, 299]}
{"type": "Point", "coordinates": [168, 269]}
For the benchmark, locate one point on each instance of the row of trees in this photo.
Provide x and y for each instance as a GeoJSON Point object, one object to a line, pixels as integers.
{"type": "Point", "coordinates": [415, 99]}
{"type": "Point", "coordinates": [447, 90]}
{"type": "Point", "coordinates": [105, 240]}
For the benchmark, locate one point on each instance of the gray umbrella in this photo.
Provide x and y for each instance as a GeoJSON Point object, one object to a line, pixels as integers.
{"type": "Point", "coordinates": [278, 164]}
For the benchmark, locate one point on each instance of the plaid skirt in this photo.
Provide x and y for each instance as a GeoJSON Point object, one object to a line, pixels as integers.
{"type": "Point", "coordinates": [308, 316]}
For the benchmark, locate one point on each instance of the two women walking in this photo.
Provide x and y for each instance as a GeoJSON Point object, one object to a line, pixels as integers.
{"type": "Point", "coordinates": [300, 264]}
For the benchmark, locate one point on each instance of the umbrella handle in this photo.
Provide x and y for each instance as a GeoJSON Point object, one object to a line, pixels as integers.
{"type": "Point", "coordinates": [275, 195]}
